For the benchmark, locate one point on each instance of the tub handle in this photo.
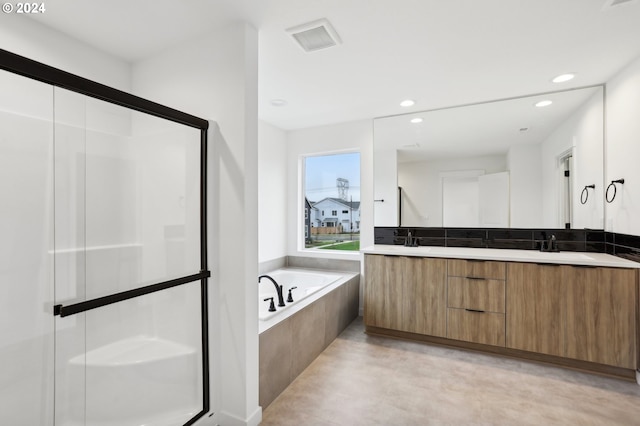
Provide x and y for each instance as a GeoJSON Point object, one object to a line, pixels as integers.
{"type": "Point", "coordinates": [290, 298]}
{"type": "Point", "coordinates": [272, 306]}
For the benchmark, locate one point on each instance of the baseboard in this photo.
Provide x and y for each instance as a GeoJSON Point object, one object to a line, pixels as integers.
{"type": "Point", "coordinates": [226, 419]}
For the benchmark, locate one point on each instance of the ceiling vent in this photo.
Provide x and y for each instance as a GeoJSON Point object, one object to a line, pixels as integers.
{"type": "Point", "coordinates": [610, 4]}
{"type": "Point", "coordinates": [315, 35]}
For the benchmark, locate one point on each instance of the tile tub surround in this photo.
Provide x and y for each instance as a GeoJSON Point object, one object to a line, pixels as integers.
{"type": "Point", "coordinates": [289, 346]}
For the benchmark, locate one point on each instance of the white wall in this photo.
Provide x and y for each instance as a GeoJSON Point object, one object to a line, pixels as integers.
{"type": "Point", "coordinates": [623, 149]}
{"type": "Point", "coordinates": [422, 186]}
{"type": "Point", "coordinates": [351, 136]}
{"type": "Point", "coordinates": [272, 192]}
{"type": "Point", "coordinates": [582, 132]}
{"type": "Point", "coordinates": [525, 169]}
{"type": "Point", "coordinates": [27, 37]}
{"type": "Point", "coordinates": [215, 77]}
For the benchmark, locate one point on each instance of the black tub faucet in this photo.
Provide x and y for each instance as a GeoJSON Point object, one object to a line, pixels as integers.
{"type": "Point", "coordinates": [278, 288]}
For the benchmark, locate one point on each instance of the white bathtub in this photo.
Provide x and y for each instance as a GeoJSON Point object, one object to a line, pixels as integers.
{"type": "Point", "coordinates": [160, 376]}
{"type": "Point", "coordinates": [309, 282]}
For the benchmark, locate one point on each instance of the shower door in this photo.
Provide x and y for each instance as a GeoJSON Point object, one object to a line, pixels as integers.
{"type": "Point", "coordinates": [106, 252]}
{"type": "Point", "coordinates": [26, 235]}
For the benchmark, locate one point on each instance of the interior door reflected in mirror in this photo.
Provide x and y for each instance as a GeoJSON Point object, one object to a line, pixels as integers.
{"type": "Point", "coordinates": [505, 163]}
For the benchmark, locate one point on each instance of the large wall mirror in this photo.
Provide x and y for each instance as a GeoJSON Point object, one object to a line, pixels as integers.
{"type": "Point", "coordinates": [508, 163]}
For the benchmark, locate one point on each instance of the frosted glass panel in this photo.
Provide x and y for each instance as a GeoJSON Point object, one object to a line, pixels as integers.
{"type": "Point", "coordinates": [26, 280]}
{"type": "Point", "coordinates": [129, 198]}
{"type": "Point", "coordinates": [143, 363]}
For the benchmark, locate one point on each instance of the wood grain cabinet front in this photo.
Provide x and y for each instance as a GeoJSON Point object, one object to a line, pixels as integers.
{"type": "Point", "coordinates": [476, 293]}
{"type": "Point", "coordinates": [475, 326]}
{"type": "Point", "coordinates": [382, 291]}
{"type": "Point", "coordinates": [535, 308]}
{"type": "Point", "coordinates": [477, 269]}
{"type": "Point", "coordinates": [601, 315]}
{"type": "Point", "coordinates": [583, 313]}
{"type": "Point", "coordinates": [406, 294]}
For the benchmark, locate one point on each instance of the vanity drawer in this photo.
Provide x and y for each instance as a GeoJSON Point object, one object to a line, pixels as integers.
{"type": "Point", "coordinates": [477, 269]}
{"type": "Point", "coordinates": [478, 327]}
{"type": "Point", "coordinates": [480, 294]}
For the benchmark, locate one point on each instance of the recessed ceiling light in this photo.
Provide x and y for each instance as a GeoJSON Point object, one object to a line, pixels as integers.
{"type": "Point", "coordinates": [563, 77]}
{"type": "Point", "coordinates": [407, 103]}
{"type": "Point", "coordinates": [278, 102]}
{"type": "Point", "coordinates": [543, 103]}
{"type": "Point", "coordinates": [416, 120]}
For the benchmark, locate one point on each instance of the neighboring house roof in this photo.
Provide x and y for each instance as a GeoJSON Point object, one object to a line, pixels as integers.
{"type": "Point", "coordinates": [351, 204]}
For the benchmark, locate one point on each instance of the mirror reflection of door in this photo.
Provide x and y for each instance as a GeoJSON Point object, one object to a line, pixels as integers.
{"type": "Point", "coordinates": [460, 201]}
{"type": "Point", "coordinates": [566, 193]}
{"type": "Point", "coordinates": [474, 199]}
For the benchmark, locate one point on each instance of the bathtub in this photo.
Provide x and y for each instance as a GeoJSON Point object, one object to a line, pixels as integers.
{"type": "Point", "coordinates": [326, 302]}
{"type": "Point", "coordinates": [159, 375]}
{"type": "Point", "coordinates": [311, 284]}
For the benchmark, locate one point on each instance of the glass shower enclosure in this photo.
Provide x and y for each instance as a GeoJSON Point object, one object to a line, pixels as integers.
{"type": "Point", "coordinates": [103, 272]}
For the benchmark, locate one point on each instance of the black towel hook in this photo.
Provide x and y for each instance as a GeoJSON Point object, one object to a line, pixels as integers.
{"type": "Point", "coordinates": [615, 190]}
{"type": "Point", "coordinates": [584, 196]}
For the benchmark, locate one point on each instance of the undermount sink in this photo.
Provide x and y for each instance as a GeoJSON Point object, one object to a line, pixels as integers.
{"type": "Point", "coordinates": [568, 256]}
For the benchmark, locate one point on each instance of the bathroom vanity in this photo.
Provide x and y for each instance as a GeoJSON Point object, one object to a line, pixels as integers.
{"type": "Point", "coordinates": [574, 309]}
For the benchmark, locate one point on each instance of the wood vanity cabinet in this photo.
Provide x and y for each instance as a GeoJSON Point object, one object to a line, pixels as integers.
{"type": "Point", "coordinates": [584, 313]}
{"type": "Point", "coordinates": [476, 301]}
{"type": "Point", "coordinates": [382, 291]}
{"type": "Point", "coordinates": [601, 315]}
{"type": "Point", "coordinates": [575, 312]}
{"type": "Point", "coordinates": [535, 308]}
{"type": "Point", "coordinates": [406, 294]}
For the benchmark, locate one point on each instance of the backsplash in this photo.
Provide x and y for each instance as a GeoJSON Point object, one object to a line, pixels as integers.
{"type": "Point", "coordinates": [627, 246]}
{"type": "Point", "coordinates": [586, 240]}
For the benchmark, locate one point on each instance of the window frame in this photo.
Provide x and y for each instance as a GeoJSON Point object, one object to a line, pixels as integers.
{"type": "Point", "coordinates": [300, 229]}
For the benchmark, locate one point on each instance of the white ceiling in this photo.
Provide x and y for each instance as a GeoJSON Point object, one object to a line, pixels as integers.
{"type": "Point", "coordinates": [438, 52]}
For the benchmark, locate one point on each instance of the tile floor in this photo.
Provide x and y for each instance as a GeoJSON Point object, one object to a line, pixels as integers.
{"type": "Point", "coordinates": [365, 380]}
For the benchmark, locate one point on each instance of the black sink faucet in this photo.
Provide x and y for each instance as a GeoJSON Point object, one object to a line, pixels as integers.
{"type": "Point", "coordinates": [551, 244]}
{"type": "Point", "coordinates": [278, 288]}
{"type": "Point", "coordinates": [410, 241]}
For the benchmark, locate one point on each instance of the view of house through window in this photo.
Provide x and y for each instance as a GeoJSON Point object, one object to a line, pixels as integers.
{"type": "Point", "coordinates": [332, 202]}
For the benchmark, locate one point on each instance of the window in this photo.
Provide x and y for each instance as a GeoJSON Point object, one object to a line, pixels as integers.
{"type": "Point", "coordinates": [331, 183]}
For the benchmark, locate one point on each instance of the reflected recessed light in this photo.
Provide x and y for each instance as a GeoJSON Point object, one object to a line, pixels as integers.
{"type": "Point", "coordinates": [564, 77]}
{"type": "Point", "coordinates": [407, 103]}
{"type": "Point", "coordinates": [416, 120]}
{"type": "Point", "coordinates": [278, 102]}
{"type": "Point", "coordinates": [543, 103]}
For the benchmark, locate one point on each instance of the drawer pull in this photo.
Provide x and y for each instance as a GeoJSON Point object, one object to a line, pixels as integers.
{"type": "Point", "coordinates": [475, 310]}
{"type": "Point", "coordinates": [476, 278]}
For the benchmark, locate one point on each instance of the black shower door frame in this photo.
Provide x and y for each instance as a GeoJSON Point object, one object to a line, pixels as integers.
{"type": "Point", "coordinates": [44, 73]}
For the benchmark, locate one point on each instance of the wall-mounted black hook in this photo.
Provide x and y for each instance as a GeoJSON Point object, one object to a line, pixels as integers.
{"type": "Point", "coordinates": [615, 190]}
{"type": "Point", "coordinates": [584, 196]}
